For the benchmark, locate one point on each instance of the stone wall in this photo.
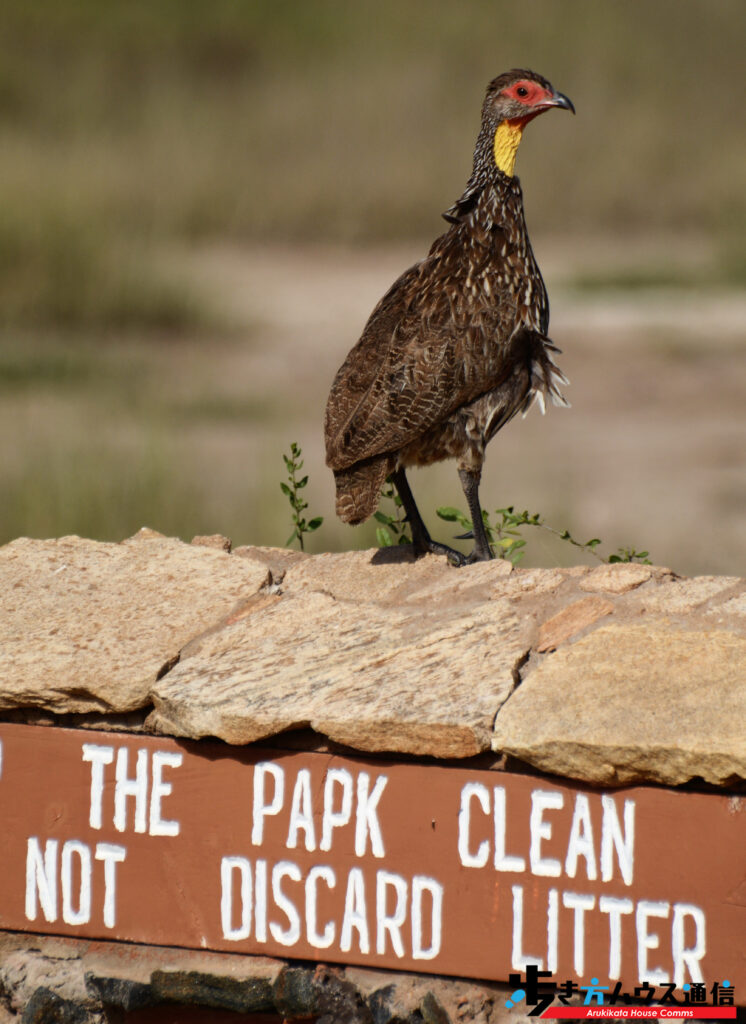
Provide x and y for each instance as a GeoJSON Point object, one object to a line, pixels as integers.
{"type": "Point", "coordinates": [610, 675]}
{"type": "Point", "coordinates": [68, 981]}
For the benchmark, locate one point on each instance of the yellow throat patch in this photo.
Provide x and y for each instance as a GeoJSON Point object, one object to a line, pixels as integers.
{"type": "Point", "coordinates": [507, 137]}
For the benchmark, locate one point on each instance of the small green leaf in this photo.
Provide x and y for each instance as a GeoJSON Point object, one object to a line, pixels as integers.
{"type": "Point", "coordinates": [291, 489]}
{"type": "Point", "coordinates": [383, 537]}
{"type": "Point", "coordinates": [450, 514]}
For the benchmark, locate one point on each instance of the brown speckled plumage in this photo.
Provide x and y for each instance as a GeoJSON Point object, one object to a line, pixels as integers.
{"type": "Point", "coordinates": [456, 347]}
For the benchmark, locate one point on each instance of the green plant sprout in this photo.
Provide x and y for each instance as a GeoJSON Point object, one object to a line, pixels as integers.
{"type": "Point", "coordinates": [506, 540]}
{"type": "Point", "coordinates": [504, 533]}
{"type": "Point", "coordinates": [292, 489]}
{"type": "Point", "coordinates": [394, 529]}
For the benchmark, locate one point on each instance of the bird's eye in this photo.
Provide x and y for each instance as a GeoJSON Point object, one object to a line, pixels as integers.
{"type": "Point", "coordinates": [522, 90]}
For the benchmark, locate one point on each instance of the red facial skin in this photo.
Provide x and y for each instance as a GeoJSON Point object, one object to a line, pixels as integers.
{"type": "Point", "coordinates": [534, 93]}
{"type": "Point", "coordinates": [536, 99]}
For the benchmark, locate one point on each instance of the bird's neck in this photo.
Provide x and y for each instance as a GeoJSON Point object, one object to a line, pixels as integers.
{"type": "Point", "coordinates": [492, 180]}
{"type": "Point", "coordinates": [505, 145]}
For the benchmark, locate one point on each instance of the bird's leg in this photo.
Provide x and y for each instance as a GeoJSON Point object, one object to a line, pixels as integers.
{"type": "Point", "coordinates": [470, 482]}
{"type": "Point", "coordinates": [421, 539]}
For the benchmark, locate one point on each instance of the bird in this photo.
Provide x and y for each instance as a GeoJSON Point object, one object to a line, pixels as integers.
{"type": "Point", "coordinates": [458, 345]}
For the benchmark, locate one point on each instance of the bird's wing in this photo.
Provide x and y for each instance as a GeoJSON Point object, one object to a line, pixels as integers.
{"type": "Point", "coordinates": [408, 371]}
{"type": "Point", "coordinates": [359, 371]}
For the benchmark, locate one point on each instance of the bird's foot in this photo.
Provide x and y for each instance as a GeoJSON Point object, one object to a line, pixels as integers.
{"type": "Point", "coordinates": [481, 553]}
{"type": "Point", "coordinates": [428, 546]}
{"type": "Point", "coordinates": [478, 555]}
{"type": "Point", "coordinates": [456, 559]}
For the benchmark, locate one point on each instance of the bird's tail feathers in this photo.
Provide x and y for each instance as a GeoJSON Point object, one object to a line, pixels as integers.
{"type": "Point", "coordinates": [359, 487]}
{"type": "Point", "coordinates": [546, 378]}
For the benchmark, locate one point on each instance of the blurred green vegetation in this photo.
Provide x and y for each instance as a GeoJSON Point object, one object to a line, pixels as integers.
{"type": "Point", "coordinates": [328, 119]}
{"type": "Point", "coordinates": [134, 129]}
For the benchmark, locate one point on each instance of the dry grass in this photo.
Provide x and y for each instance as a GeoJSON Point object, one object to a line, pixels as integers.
{"type": "Point", "coordinates": [338, 120]}
{"type": "Point", "coordinates": [158, 351]}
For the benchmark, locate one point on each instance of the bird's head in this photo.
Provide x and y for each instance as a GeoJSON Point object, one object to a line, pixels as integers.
{"type": "Point", "coordinates": [513, 99]}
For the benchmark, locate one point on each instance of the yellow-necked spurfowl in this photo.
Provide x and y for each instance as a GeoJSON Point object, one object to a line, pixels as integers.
{"type": "Point", "coordinates": [458, 345]}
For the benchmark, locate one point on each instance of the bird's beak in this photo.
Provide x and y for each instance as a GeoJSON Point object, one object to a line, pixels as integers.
{"type": "Point", "coordinates": [560, 100]}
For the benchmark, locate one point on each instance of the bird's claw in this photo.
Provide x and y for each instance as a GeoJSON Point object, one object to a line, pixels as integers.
{"type": "Point", "coordinates": [455, 558]}
{"type": "Point", "coordinates": [432, 547]}
{"type": "Point", "coordinates": [478, 556]}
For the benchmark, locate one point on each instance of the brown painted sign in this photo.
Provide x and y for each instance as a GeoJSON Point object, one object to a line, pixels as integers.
{"type": "Point", "coordinates": [427, 868]}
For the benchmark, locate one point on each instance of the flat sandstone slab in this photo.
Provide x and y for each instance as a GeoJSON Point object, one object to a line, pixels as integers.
{"type": "Point", "coordinates": [88, 626]}
{"type": "Point", "coordinates": [415, 680]}
{"type": "Point", "coordinates": [634, 702]}
{"type": "Point", "coordinates": [627, 672]}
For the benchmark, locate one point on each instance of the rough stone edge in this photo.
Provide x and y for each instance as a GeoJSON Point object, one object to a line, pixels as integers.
{"type": "Point", "coordinates": [613, 766]}
{"type": "Point", "coordinates": [87, 982]}
{"type": "Point", "coordinates": [460, 742]}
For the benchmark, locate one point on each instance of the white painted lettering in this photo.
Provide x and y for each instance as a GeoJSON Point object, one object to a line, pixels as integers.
{"type": "Point", "coordinates": [301, 813]}
{"type": "Point", "coordinates": [366, 822]}
{"type": "Point", "coordinates": [318, 873]}
{"type": "Point", "coordinates": [552, 931]}
{"type": "Point", "coordinates": [421, 884]}
{"type": "Point", "coordinates": [355, 912]}
{"type": "Point", "coordinates": [613, 838]}
{"type": "Point", "coordinates": [290, 935]}
{"type": "Point", "coordinates": [75, 877]}
{"type": "Point", "coordinates": [541, 801]}
{"type": "Point", "coordinates": [519, 960]}
{"type": "Point", "coordinates": [579, 903]}
{"type": "Point", "coordinates": [41, 879]}
{"type": "Point", "coordinates": [98, 757]}
{"type": "Point", "coordinates": [126, 787]}
{"type": "Point", "coordinates": [647, 941]}
{"type": "Point", "coordinates": [71, 915]}
{"type": "Point", "coordinates": [482, 794]}
{"type": "Point", "coordinates": [392, 922]}
{"type": "Point", "coordinates": [580, 843]}
{"type": "Point", "coordinates": [260, 901]}
{"type": "Point", "coordinates": [111, 856]}
{"type": "Point", "coordinates": [615, 908]}
{"type": "Point", "coordinates": [504, 861]}
{"type": "Point", "coordinates": [162, 759]}
{"type": "Point", "coordinates": [261, 808]}
{"type": "Point", "coordinates": [335, 819]}
{"type": "Point", "coordinates": [687, 956]}
{"type": "Point", "coordinates": [229, 866]}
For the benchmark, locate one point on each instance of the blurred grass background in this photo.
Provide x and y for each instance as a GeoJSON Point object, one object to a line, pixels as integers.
{"type": "Point", "coordinates": [155, 155]}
